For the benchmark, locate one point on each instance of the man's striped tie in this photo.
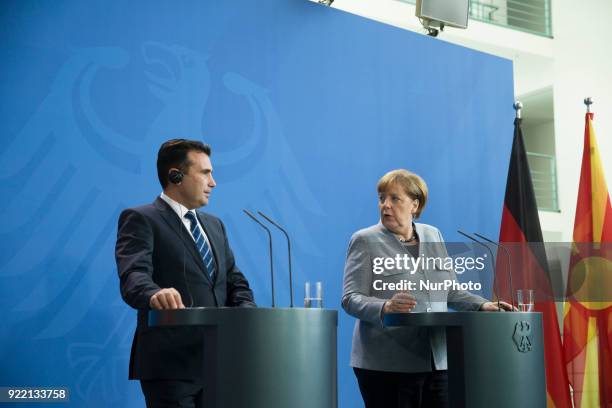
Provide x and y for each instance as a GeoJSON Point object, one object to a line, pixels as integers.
{"type": "Point", "coordinates": [203, 247]}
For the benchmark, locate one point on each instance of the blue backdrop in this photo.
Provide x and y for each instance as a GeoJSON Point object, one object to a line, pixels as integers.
{"type": "Point", "coordinates": [305, 107]}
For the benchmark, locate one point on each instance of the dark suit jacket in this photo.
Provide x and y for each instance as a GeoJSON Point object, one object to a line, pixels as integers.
{"type": "Point", "coordinates": [154, 250]}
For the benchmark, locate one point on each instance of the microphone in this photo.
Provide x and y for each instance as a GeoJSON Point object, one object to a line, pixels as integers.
{"type": "Point", "coordinates": [288, 253]}
{"type": "Point", "coordinates": [499, 245]}
{"type": "Point", "coordinates": [270, 242]}
{"type": "Point", "coordinates": [492, 257]}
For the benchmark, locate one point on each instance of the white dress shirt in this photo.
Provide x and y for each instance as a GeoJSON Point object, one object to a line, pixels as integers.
{"type": "Point", "coordinates": [181, 210]}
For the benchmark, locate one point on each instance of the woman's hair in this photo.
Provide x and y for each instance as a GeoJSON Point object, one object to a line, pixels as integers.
{"type": "Point", "coordinates": [412, 184]}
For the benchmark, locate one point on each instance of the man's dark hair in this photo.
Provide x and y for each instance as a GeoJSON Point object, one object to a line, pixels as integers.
{"type": "Point", "coordinates": [173, 154]}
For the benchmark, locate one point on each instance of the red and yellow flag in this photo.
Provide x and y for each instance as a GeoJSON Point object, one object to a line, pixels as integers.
{"type": "Point", "coordinates": [587, 323]}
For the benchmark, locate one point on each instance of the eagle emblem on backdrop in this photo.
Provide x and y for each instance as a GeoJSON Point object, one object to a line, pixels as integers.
{"type": "Point", "coordinates": [59, 238]}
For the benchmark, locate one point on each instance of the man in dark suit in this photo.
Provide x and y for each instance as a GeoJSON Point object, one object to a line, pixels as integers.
{"type": "Point", "coordinates": [170, 256]}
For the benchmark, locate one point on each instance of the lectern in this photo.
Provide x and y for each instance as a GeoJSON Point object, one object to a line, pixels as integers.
{"type": "Point", "coordinates": [495, 359]}
{"type": "Point", "coordinates": [264, 357]}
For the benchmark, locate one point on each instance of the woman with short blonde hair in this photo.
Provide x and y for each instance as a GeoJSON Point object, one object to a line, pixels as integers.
{"type": "Point", "coordinates": [399, 368]}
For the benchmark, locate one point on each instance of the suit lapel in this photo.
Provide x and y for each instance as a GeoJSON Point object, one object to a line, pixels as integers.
{"type": "Point", "coordinates": [173, 221]}
{"type": "Point", "coordinates": [424, 242]}
{"type": "Point", "coordinates": [421, 232]}
{"type": "Point", "coordinates": [390, 238]}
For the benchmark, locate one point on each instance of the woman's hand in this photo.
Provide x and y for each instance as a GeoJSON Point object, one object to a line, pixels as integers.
{"type": "Point", "coordinates": [492, 307]}
{"type": "Point", "coordinates": [399, 303]}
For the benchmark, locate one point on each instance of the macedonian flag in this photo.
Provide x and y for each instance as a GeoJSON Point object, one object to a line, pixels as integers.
{"type": "Point", "coordinates": [587, 323]}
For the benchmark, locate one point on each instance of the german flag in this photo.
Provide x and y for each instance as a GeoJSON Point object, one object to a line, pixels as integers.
{"type": "Point", "coordinates": [587, 322]}
{"type": "Point", "coordinates": [520, 230]}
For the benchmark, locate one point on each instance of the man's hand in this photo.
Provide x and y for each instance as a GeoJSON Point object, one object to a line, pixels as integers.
{"type": "Point", "coordinates": [167, 298]}
{"type": "Point", "coordinates": [492, 307]}
{"type": "Point", "coordinates": [400, 302]}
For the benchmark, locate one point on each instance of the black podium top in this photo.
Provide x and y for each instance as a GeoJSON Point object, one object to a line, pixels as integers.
{"type": "Point", "coordinates": [206, 316]}
{"type": "Point", "coordinates": [446, 319]}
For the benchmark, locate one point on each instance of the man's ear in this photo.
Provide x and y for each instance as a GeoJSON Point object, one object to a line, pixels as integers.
{"type": "Point", "coordinates": [175, 176]}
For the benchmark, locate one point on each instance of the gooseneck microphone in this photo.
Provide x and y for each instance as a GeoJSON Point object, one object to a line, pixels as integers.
{"type": "Point", "coordinates": [288, 253]}
{"type": "Point", "coordinates": [270, 252]}
{"type": "Point", "coordinates": [494, 266]}
{"type": "Point", "coordinates": [499, 245]}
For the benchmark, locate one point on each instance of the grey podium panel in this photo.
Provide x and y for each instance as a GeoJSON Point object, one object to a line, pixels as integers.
{"type": "Point", "coordinates": [495, 359]}
{"type": "Point", "coordinates": [264, 358]}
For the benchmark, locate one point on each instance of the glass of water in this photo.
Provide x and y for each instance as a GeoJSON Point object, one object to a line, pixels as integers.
{"type": "Point", "coordinates": [525, 298]}
{"type": "Point", "coordinates": [313, 300]}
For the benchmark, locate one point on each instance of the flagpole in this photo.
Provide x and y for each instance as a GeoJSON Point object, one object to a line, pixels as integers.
{"type": "Point", "coordinates": [588, 101]}
{"type": "Point", "coordinates": [518, 107]}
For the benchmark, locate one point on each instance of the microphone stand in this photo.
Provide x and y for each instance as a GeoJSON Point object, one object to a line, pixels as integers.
{"type": "Point", "coordinates": [288, 253]}
{"type": "Point", "coordinates": [492, 257]}
{"type": "Point", "coordinates": [499, 245]}
{"type": "Point", "coordinates": [270, 252]}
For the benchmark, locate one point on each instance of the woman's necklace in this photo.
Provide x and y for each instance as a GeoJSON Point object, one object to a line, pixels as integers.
{"type": "Point", "coordinates": [411, 239]}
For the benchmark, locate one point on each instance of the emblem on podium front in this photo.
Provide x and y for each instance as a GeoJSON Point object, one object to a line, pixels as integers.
{"type": "Point", "coordinates": [523, 337]}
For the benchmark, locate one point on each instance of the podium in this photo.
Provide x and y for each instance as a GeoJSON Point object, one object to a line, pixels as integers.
{"type": "Point", "coordinates": [495, 359]}
{"type": "Point", "coordinates": [264, 357]}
